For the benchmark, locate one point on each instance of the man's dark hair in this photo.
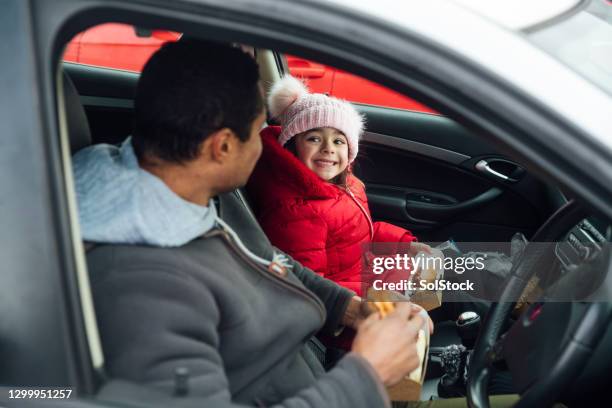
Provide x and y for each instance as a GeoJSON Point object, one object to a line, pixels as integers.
{"type": "Point", "coordinates": [187, 91]}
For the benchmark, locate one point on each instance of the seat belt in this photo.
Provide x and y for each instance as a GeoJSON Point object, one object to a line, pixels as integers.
{"type": "Point", "coordinates": [244, 202]}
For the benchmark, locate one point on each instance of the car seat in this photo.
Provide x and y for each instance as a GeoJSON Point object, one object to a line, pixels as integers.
{"type": "Point", "coordinates": [76, 119]}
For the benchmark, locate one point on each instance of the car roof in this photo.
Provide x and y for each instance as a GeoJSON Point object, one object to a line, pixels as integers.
{"type": "Point", "coordinates": [515, 15]}
{"type": "Point", "coordinates": [519, 15]}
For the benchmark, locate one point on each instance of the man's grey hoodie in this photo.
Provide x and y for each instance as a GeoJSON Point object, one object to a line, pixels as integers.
{"type": "Point", "coordinates": [190, 309]}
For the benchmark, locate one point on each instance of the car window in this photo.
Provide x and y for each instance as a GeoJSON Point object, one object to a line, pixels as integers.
{"type": "Point", "coordinates": [341, 84]}
{"type": "Point", "coordinates": [118, 46]}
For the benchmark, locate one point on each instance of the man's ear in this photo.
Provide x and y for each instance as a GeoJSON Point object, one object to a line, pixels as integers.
{"type": "Point", "coordinates": [220, 145]}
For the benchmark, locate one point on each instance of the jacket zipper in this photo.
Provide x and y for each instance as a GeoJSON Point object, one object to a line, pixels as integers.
{"type": "Point", "coordinates": [269, 275]}
{"type": "Point", "coordinates": [363, 210]}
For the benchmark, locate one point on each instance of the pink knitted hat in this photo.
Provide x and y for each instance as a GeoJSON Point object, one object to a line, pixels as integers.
{"type": "Point", "coordinates": [298, 111]}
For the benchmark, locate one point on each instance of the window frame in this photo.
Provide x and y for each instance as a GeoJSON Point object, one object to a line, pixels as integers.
{"type": "Point", "coordinates": [256, 19]}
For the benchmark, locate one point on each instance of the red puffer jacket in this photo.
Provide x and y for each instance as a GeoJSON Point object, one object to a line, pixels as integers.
{"type": "Point", "coordinates": [318, 223]}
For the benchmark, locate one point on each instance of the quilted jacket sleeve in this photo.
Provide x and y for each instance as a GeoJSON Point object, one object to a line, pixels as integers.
{"type": "Point", "coordinates": [385, 232]}
{"type": "Point", "coordinates": [300, 231]}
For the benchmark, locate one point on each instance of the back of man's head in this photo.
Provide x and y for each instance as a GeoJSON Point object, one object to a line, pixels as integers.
{"type": "Point", "coordinates": [187, 91]}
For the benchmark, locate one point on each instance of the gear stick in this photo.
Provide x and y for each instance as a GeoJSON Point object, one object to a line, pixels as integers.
{"type": "Point", "coordinates": [468, 326]}
{"type": "Point", "coordinates": [453, 358]}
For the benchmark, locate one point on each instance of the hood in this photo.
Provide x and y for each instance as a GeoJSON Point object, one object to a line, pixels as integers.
{"type": "Point", "coordinates": [120, 203]}
{"type": "Point", "coordinates": [280, 174]}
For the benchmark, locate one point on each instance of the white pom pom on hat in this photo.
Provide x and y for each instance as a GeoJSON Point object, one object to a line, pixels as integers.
{"type": "Point", "coordinates": [283, 93]}
{"type": "Point", "coordinates": [298, 111]}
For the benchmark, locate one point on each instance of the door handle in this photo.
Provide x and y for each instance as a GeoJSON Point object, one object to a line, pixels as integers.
{"type": "Point", "coordinates": [484, 166]}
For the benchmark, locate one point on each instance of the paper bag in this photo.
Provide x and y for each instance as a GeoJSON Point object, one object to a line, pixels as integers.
{"type": "Point", "coordinates": [409, 388]}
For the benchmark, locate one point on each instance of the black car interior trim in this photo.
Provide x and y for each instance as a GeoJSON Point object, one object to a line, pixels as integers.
{"type": "Point", "coordinates": [415, 147]}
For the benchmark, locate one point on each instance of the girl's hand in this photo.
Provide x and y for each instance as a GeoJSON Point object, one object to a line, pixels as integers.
{"type": "Point", "coordinates": [416, 247]}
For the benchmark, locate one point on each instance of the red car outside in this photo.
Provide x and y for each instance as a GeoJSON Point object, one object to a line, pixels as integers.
{"type": "Point", "coordinates": [118, 46]}
{"type": "Point", "coordinates": [341, 84]}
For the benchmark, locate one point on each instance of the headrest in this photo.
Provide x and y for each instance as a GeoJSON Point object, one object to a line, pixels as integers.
{"type": "Point", "coordinates": [78, 126]}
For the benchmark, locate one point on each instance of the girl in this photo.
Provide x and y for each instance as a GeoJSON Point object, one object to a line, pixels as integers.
{"type": "Point", "coordinates": [306, 199]}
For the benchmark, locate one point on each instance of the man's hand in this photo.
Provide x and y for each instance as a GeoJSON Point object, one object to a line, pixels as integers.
{"type": "Point", "coordinates": [358, 311]}
{"type": "Point", "coordinates": [367, 307]}
{"type": "Point", "coordinates": [389, 344]}
{"type": "Point", "coordinates": [355, 313]}
{"type": "Point", "coordinates": [416, 309]}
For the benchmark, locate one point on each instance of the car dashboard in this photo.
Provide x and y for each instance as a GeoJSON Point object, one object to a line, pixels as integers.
{"type": "Point", "coordinates": [582, 242]}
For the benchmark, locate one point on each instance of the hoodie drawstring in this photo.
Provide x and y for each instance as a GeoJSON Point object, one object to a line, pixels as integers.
{"type": "Point", "coordinates": [279, 263]}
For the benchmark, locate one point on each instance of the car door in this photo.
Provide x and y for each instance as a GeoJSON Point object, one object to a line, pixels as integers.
{"type": "Point", "coordinates": [428, 174]}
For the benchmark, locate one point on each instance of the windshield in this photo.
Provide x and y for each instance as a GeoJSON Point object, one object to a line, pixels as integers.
{"type": "Point", "coordinates": [583, 42]}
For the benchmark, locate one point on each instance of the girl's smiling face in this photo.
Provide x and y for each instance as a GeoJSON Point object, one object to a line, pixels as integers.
{"type": "Point", "coordinates": [324, 151]}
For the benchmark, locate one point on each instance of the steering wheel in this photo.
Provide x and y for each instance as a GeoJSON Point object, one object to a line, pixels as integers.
{"type": "Point", "coordinates": [548, 346]}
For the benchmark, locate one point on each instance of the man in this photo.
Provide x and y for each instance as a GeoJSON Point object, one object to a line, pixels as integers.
{"type": "Point", "coordinates": [184, 305]}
